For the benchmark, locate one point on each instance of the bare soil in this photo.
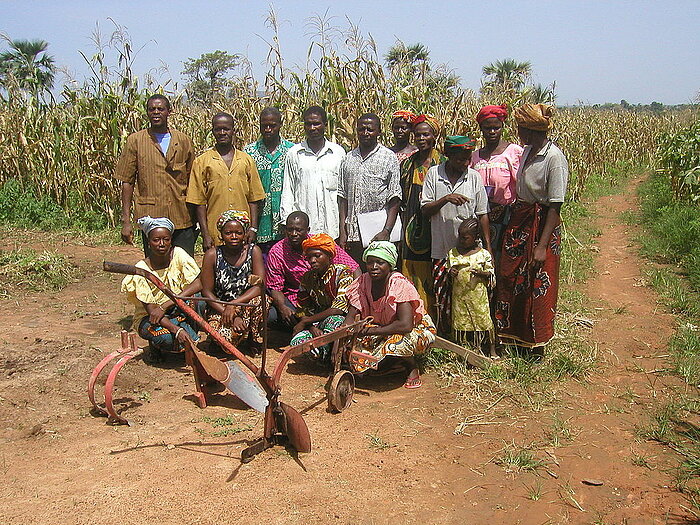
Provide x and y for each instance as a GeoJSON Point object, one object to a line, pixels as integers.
{"type": "Point", "coordinates": [392, 457]}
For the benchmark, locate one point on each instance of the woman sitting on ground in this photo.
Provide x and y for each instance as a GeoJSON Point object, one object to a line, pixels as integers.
{"type": "Point", "coordinates": [497, 162]}
{"type": "Point", "coordinates": [322, 301]}
{"type": "Point", "coordinates": [234, 272]}
{"type": "Point", "coordinates": [156, 318]}
{"type": "Point", "coordinates": [401, 327]}
{"type": "Point", "coordinates": [401, 127]}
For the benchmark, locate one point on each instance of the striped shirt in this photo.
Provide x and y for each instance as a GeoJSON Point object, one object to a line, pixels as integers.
{"type": "Point", "coordinates": [160, 180]}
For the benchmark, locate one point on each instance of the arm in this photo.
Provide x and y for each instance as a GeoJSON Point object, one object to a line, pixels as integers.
{"type": "Point", "coordinates": [486, 231]}
{"type": "Point", "coordinates": [392, 212]}
{"type": "Point", "coordinates": [207, 279]}
{"type": "Point", "coordinates": [207, 241]}
{"type": "Point", "coordinates": [181, 334]}
{"type": "Point", "coordinates": [539, 254]}
{"type": "Point", "coordinates": [255, 209]}
{"type": "Point", "coordinates": [403, 323]}
{"type": "Point", "coordinates": [259, 270]}
{"type": "Point", "coordinates": [310, 320]}
{"type": "Point", "coordinates": [433, 207]}
{"type": "Point", "coordinates": [343, 212]}
{"type": "Point", "coordinates": [127, 196]}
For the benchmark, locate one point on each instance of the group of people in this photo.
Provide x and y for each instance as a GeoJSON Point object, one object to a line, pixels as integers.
{"type": "Point", "coordinates": [448, 242]}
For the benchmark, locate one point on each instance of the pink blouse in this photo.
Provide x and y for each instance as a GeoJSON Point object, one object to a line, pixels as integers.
{"type": "Point", "coordinates": [398, 290]}
{"type": "Point", "coordinates": [499, 173]}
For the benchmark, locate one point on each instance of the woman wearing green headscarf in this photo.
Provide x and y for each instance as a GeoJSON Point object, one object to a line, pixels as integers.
{"type": "Point", "coordinates": [401, 327]}
{"type": "Point", "coordinates": [452, 192]}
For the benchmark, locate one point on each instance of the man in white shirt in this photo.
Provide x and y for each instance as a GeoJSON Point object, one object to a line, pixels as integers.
{"type": "Point", "coordinates": [311, 176]}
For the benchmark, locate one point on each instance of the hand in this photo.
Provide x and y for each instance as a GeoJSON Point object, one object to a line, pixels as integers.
{"type": "Point", "coordinates": [207, 242]}
{"type": "Point", "coordinates": [456, 199]}
{"type": "Point", "coordinates": [454, 272]}
{"type": "Point", "coordinates": [366, 330]}
{"type": "Point", "coordinates": [315, 331]}
{"type": "Point", "coordinates": [128, 233]}
{"type": "Point", "coordinates": [183, 337]}
{"type": "Point", "coordinates": [287, 315]}
{"type": "Point", "coordinates": [539, 254]}
{"type": "Point", "coordinates": [381, 236]}
{"type": "Point", "coordinates": [343, 238]}
{"type": "Point", "coordinates": [251, 237]}
{"type": "Point", "coordinates": [229, 315]}
{"type": "Point", "coordinates": [301, 325]}
{"type": "Point", "coordinates": [238, 325]}
{"type": "Point", "coordinates": [156, 315]}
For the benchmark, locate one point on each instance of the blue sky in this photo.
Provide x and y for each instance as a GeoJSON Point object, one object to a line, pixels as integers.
{"type": "Point", "coordinates": [596, 51]}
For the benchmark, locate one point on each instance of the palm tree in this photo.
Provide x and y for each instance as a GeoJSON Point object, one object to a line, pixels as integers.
{"type": "Point", "coordinates": [540, 94]}
{"type": "Point", "coordinates": [400, 55]}
{"type": "Point", "coordinates": [507, 73]}
{"type": "Point", "coordinates": [27, 64]}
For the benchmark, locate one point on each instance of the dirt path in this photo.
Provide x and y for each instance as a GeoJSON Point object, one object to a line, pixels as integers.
{"type": "Point", "coordinates": [393, 457]}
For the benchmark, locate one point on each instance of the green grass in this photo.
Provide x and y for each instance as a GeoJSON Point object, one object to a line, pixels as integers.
{"type": "Point", "coordinates": [225, 426]}
{"type": "Point", "coordinates": [377, 443]}
{"type": "Point", "coordinates": [515, 458]}
{"type": "Point", "coordinates": [35, 271]}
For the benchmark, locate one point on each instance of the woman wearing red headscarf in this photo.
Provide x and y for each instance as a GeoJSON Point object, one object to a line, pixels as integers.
{"type": "Point", "coordinates": [401, 127]}
{"type": "Point", "coordinates": [497, 162]}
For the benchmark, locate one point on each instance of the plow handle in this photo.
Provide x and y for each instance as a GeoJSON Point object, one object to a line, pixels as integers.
{"type": "Point", "coordinates": [126, 269]}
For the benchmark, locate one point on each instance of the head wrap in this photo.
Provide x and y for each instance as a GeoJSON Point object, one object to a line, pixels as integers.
{"type": "Point", "coordinates": [383, 250]}
{"type": "Point", "coordinates": [148, 224]}
{"type": "Point", "coordinates": [430, 120]}
{"type": "Point", "coordinates": [408, 116]}
{"type": "Point", "coordinates": [499, 112]}
{"type": "Point", "coordinates": [459, 142]}
{"type": "Point", "coordinates": [241, 217]}
{"type": "Point", "coordinates": [537, 117]}
{"type": "Point", "coordinates": [320, 241]}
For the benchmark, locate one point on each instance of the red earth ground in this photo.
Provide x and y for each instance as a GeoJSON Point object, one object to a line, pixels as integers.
{"type": "Point", "coordinates": [392, 457]}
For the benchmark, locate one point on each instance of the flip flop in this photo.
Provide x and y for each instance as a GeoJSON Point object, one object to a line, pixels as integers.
{"type": "Point", "coordinates": [413, 383]}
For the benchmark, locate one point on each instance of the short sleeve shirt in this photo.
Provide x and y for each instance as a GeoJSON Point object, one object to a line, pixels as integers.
{"type": "Point", "coordinates": [221, 188]}
{"type": "Point", "coordinates": [445, 223]}
{"type": "Point", "coordinates": [543, 180]}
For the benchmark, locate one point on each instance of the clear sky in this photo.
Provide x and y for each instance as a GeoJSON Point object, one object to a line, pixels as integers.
{"type": "Point", "coordinates": [596, 51]}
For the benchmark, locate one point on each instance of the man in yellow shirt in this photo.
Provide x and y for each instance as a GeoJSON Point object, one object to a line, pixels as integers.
{"type": "Point", "coordinates": [224, 178]}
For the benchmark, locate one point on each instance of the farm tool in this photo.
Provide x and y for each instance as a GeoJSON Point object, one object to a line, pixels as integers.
{"type": "Point", "coordinates": [282, 424]}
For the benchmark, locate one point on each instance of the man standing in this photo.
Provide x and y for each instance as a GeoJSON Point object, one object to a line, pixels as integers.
{"type": "Point", "coordinates": [154, 168]}
{"type": "Point", "coordinates": [369, 181]}
{"type": "Point", "coordinates": [311, 175]}
{"type": "Point", "coordinates": [269, 154]}
{"type": "Point", "coordinates": [224, 178]}
{"type": "Point", "coordinates": [286, 265]}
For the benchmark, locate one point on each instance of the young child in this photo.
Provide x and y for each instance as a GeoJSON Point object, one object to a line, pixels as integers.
{"type": "Point", "coordinates": [472, 272]}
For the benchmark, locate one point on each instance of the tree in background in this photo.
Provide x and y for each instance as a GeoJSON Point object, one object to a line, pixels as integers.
{"type": "Point", "coordinates": [507, 74]}
{"type": "Point", "coordinates": [27, 66]}
{"type": "Point", "coordinates": [208, 74]}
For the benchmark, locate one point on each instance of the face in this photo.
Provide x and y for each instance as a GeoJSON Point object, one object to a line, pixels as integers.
{"type": "Point", "coordinates": [459, 160]}
{"type": "Point", "coordinates": [222, 129]}
{"type": "Point", "coordinates": [159, 241]}
{"type": "Point", "coordinates": [424, 136]}
{"type": "Point", "coordinates": [314, 127]}
{"type": "Point", "coordinates": [233, 234]}
{"type": "Point", "coordinates": [296, 231]}
{"type": "Point", "coordinates": [401, 130]}
{"type": "Point", "coordinates": [368, 132]}
{"type": "Point", "coordinates": [270, 126]}
{"type": "Point", "coordinates": [318, 260]}
{"type": "Point", "coordinates": [378, 269]}
{"type": "Point", "coordinates": [491, 129]}
{"type": "Point", "coordinates": [158, 112]}
{"type": "Point", "coordinates": [466, 239]}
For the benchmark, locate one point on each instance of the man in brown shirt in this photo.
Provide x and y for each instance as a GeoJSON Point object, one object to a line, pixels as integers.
{"type": "Point", "coordinates": [154, 168]}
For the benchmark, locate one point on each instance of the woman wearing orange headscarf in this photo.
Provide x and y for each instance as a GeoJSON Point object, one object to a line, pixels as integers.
{"type": "Point", "coordinates": [528, 273]}
{"type": "Point", "coordinates": [416, 263]}
{"type": "Point", "coordinates": [497, 162]}
{"type": "Point", "coordinates": [401, 127]}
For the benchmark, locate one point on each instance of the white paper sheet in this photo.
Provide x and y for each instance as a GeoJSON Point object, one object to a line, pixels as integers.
{"type": "Point", "coordinates": [372, 223]}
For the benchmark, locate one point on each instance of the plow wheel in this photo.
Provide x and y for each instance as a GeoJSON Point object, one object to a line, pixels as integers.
{"type": "Point", "coordinates": [341, 390]}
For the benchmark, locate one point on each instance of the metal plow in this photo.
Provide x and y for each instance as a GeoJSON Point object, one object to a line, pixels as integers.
{"type": "Point", "coordinates": [283, 425]}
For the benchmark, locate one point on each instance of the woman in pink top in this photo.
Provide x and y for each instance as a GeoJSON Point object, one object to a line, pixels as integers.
{"type": "Point", "coordinates": [497, 163]}
{"type": "Point", "coordinates": [401, 327]}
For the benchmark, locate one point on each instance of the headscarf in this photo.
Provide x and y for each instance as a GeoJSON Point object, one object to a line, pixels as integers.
{"type": "Point", "coordinates": [408, 116]}
{"type": "Point", "coordinates": [241, 217]}
{"type": "Point", "coordinates": [537, 117]}
{"type": "Point", "coordinates": [459, 142]}
{"type": "Point", "coordinates": [430, 120]}
{"type": "Point", "coordinates": [383, 250]}
{"type": "Point", "coordinates": [320, 241]}
{"type": "Point", "coordinates": [147, 224]}
{"type": "Point", "coordinates": [499, 112]}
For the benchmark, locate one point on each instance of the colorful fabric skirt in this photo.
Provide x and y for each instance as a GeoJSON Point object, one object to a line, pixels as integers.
{"type": "Point", "coordinates": [419, 273]}
{"type": "Point", "coordinates": [443, 296]}
{"type": "Point", "coordinates": [526, 298]}
{"type": "Point", "coordinates": [499, 216]}
{"type": "Point", "coordinates": [377, 347]}
{"type": "Point", "coordinates": [254, 324]}
{"type": "Point", "coordinates": [329, 324]}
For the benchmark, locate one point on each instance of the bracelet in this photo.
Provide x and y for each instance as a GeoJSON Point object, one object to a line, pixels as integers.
{"type": "Point", "coordinates": [254, 230]}
{"type": "Point", "coordinates": [178, 332]}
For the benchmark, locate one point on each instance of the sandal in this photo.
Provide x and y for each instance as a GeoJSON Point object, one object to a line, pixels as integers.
{"type": "Point", "coordinates": [412, 383]}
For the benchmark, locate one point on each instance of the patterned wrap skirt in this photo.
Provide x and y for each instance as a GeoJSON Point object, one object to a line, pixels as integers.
{"type": "Point", "coordinates": [378, 347]}
{"type": "Point", "coordinates": [254, 324]}
{"type": "Point", "coordinates": [526, 298]}
{"type": "Point", "coordinates": [323, 353]}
